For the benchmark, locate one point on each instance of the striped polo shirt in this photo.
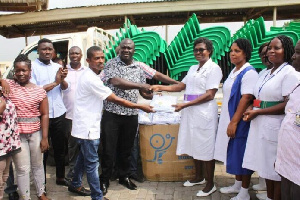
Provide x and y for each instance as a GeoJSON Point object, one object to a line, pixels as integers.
{"type": "Point", "coordinates": [27, 102]}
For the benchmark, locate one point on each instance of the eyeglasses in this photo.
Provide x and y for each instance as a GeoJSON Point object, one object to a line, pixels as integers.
{"type": "Point", "coordinates": [199, 50]}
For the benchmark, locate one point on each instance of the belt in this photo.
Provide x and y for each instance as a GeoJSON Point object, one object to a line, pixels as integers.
{"type": "Point", "coordinates": [191, 97]}
{"type": "Point", "coordinates": [265, 104]}
{"type": "Point", "coordinates": [32, 119]}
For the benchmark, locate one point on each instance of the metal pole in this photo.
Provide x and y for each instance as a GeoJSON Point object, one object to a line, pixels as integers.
{"type": "Point", "coordinates": [274, 16]}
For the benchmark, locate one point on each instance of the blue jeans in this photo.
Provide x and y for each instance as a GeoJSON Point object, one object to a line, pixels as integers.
{"type": "Point", "coordinates": [88, 161]}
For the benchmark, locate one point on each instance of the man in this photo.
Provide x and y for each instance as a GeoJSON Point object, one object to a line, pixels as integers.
{"type": "Point", "coordinates": [149, 73]}
{"type": "Point", "coordinates": [75, 69]}
{"type": "Point", "coordinates": [88, 106]}
{"type": "Point", "coordinates": [288, 155]}
{"type": "Point", "coordinates": [51, 76]}
{"type": "Point", "coordinates": [119, 124]}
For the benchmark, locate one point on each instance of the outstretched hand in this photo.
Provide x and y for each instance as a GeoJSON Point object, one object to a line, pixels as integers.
{"type": "Point", "coordinates": [155, 88]}
{"type": "Point", "coordinates": [179, 106]}
{"type": "Point", "coordinates": [146, 108]}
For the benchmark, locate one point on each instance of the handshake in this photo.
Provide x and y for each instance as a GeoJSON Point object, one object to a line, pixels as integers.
{"type": "Point", "coordinates": [149, 89]}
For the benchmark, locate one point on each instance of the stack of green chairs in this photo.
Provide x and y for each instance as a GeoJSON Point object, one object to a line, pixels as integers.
{"type": "Point", "coordinates": [179, 54]}
{"type": "Point", "coordinates": [148, 45]}
{"type": "Point", "coordinates": [292, 26]}
{"type": "Point", "coordinates": [255, 32]}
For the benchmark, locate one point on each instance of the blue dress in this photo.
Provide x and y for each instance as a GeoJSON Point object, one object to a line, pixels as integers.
{"type": "Point", "coordinates": [236, 146]}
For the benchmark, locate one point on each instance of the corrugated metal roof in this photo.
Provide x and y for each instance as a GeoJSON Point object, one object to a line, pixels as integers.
{"type": "Point", "coordinates": [22, 1]}
{"type": "Point", "coordinates": [89, 3]}
{"type": "Point", "coordinates": [23, 5]}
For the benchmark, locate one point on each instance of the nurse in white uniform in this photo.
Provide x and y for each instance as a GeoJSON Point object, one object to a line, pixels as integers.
{"type": "Point", "coordinates": [261, 186]}
{"type": "Point", "coordinates": [270, 91]}
{"type": "Point", "coordinates": [199, 119]}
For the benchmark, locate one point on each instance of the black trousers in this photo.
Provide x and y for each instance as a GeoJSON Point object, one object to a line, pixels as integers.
{"type": "Point", "coordinates": [57, 131]}
{"type": "Point", "coordinates": [117, 137]}
{"type": "Point", "coordinates": [73, 148]}
{"type": "Point", "coordinates": [289, 190]}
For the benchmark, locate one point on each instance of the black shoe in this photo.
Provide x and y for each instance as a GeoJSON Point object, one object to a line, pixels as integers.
{"type": "Point", "coordinates": [104, 187]}
{"type": "Point", "coordinates": [62, 182]}
{"type": "Point", "coordinates": [81, 190]}
{"type": "Point", "coordinates": [13, 196]}
{"type": "Point", "coordinates": [137, 178]}
{"type": "Point", "coordinates": [127, 183]}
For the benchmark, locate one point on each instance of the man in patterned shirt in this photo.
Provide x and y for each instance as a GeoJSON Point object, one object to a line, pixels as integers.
{"type": "Point", "coordinates": [119, 124]}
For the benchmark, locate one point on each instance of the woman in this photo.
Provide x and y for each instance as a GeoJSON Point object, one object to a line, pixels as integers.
{"type": "Point", "coordinates": [253, 137]}
{"type": "Point", "coordinates": [9, 138]}
{"type": "Point", "coordinates": [232, 130]}
{"type": "Point", "coordinates": [199, 115]}
{"type": "Point", "coordinates": [270, 91]}
{"type": "Point", "coordinates": [33, 121]}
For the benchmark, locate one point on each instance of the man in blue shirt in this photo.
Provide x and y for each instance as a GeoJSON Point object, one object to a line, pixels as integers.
{"type": "Point", "coordinates": [50, 76]}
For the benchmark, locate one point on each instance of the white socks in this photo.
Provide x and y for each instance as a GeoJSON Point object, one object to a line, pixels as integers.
{"type": "Point", "coordinates": [237, 184]}
{"type": "Point", "coordinates": [268, 198]}
{"type": "Point", "coordinates": [243, 194]}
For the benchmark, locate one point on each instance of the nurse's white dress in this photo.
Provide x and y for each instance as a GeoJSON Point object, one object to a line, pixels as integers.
{"type": "Point", "coordinates": [248, 81]}
{"type": "Point", "coordinates": [198, 124]}
{"type": "Point", "coordinates": [260, 155]}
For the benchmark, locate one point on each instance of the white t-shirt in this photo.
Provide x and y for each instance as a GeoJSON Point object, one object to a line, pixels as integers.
{"type": "Point", "coordinates": [88, 105]}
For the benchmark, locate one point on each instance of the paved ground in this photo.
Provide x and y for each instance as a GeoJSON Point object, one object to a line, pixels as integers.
{"type": "Point", "coordinates": [147, 190]}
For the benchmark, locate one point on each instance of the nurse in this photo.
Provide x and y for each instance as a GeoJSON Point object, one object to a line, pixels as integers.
{"type": "Point", "coordinates": [271, 91]}
{"type": "Point", "coordinates": [232, 130]}
{"type": "Point", "coordinates": [199, 119]}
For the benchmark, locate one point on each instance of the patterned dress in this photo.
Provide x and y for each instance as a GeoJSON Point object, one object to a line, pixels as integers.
{"type": "Point", "coordinates": [9, 135]}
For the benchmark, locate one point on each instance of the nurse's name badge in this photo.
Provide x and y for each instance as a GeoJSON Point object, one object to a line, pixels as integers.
{"type": "Point", "coordinates": [297, 119]}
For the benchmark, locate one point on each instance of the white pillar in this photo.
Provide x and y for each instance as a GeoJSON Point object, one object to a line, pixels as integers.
{"type": "Point", "coordinates": [274, 16]}
{"type": "Point", "coordinates": [167, 34]}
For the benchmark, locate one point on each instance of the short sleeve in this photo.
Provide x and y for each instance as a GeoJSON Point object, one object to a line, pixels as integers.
{"type": "Point", "coordinates": [248, 82]}
{"type": "Point", "coordinates": [184, 80]}
{"type": "Point", "coordinates": [148, 71]}
{"type": "Point", "coordinates": [289, 82]}
{"type": "Point", "coordinates": [97, 88]}
{"type": "Point", "coordinates": [42, 94]}
{"type": "Point", "coordinates": [214, 78]}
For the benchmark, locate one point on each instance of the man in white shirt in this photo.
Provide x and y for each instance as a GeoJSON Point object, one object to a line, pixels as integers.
{"type": "Point", "coordinates": [75, 69]}
{"type": "Point", "coordinates": [87, 115]}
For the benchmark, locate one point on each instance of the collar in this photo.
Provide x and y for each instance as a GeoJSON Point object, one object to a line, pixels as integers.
{"type": "Point", "coordinates": [79, 69]}
{"type": "Point", "coordinates": [40, 62]}
{"type": "Point", "coordinates": [132, 64]}
{"type": "Point", "coordinates": [206, 64]}
{"type": "Point", "coordinates": [234, 74]}
{"type": "Point", "coordinates": [278, 68]}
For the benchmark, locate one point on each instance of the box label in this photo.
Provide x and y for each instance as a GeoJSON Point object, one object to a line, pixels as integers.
{"type": "Point", "coordinates": [160, 144]}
